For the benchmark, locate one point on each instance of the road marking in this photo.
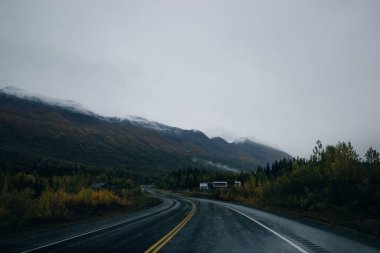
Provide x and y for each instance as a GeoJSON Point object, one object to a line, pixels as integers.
{"type": "Point", "coordinates": [164, 240]}
{"type": "Point", "coordinates": [271, 230]}
{"type": "Point", "coordinates": [94, 231]}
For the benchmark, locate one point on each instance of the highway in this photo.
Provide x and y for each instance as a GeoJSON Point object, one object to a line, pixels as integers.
{"type": "Point", "coordinates": [191, 225]}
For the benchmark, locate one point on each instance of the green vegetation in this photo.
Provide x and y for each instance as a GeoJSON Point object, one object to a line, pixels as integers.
{"type": "Point", "coordinates": [190, 178]}
{"type": "Point", "coordinates": [334, 185]}
{"type": "Point", "coordinates": [28, 199]}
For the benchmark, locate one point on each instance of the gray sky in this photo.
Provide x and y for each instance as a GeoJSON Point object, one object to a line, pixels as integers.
{"type": "Point", "coordinates": [285, 73]}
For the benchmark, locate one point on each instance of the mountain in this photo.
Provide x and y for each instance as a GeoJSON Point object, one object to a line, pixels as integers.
{"type": "Point", "coordinates": [36, 130]}
{"type": "Point", "coordinates": [263, 153]}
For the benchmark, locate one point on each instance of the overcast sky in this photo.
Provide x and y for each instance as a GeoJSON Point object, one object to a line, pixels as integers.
{"type": "Point", "coordinates": [285, 73]}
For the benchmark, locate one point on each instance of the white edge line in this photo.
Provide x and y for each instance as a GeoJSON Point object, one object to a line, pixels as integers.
{"type": "Point", "coordinates": [271, 230]}
{"type": "Point", "coordinates": [90, 232]}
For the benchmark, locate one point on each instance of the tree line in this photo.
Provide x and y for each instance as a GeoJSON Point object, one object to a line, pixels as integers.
{"type": "Point", "coordinates": [333, 185]}
{"type": "Point", "coordinates": [32, 199]}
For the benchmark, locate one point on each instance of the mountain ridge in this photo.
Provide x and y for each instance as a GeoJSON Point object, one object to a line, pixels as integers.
{"type": "Point", "coordinates": [38, 129]}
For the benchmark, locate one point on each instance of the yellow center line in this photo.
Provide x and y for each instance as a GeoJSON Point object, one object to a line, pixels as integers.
{"type": "Point", "coordinates": [164, 240]}
{"type": "Point", "coordinates": [173, 234]}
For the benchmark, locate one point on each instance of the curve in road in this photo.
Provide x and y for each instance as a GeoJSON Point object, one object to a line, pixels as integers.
{"type": "Point", "coordinates": [191, 225]}
{"type": "Point", "coordinates": [134, 232]}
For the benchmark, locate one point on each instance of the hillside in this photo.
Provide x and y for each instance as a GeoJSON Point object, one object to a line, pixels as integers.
{"type": "Point", "coordinates": [39, 130]}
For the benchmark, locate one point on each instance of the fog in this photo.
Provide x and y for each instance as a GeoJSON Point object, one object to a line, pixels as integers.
{"type": "Point", "coordinates": [284, 73]}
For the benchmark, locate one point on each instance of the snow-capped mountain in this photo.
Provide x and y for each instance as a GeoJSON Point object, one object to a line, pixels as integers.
{"type": "Point", "coordinates": [68, 104]}
{"type": "Point", "coordinates": [77, 107]}
{"type": "Point", "coordinates": [35, 128]}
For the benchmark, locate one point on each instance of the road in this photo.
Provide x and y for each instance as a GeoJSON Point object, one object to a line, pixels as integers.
{"type": "Point", "coordinates": [190, 225]}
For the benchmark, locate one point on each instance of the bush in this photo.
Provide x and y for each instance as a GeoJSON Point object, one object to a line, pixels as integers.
{"type": "Point", "coordinates": [29, 198]}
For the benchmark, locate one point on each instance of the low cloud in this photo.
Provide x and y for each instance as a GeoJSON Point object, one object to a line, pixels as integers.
{"type": "Point", "coordinates": [216, 165]}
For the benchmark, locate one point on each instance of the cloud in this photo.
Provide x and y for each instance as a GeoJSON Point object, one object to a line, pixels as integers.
{"type": "Point", "coordinates": [286, 73]}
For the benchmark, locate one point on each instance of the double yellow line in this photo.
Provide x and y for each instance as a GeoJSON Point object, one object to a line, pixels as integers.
{"type": "Point", "coordinates": [164, 240]}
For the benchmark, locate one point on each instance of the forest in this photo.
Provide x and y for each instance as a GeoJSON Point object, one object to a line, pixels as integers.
{"type": "Point", "coordinates": [334, 185]}
{"type": "Point", "coordinates": [29, 199]}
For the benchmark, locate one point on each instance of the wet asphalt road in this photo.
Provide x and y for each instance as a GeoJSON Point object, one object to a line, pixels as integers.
{"type": "Point", "coordinates": [214, 227]}
{"type": "Point", "coordinates": [226, 227]}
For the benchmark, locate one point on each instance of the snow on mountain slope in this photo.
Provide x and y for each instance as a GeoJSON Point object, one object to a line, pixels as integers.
{"type": "Point", "coordinates": [67, 104]}
{"type": "Point", "coordinates": [241, 140]}
{"type": "Point", "coordinates": [143, 122]}
{"type": "Point", "coordinates": [77, 107]}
